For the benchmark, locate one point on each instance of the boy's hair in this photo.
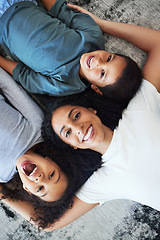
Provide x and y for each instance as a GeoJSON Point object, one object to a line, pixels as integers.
{"type": "Point", "coordinates": [78, 167]}
{"type": "Point", "coordinates": [128, 83]}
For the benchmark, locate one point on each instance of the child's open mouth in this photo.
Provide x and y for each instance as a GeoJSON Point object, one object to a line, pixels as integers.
{"type": "Point", "coordinates": [28, 168]}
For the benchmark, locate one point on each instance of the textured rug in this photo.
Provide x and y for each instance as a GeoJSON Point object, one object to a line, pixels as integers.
{"type": "Point", "coordinates": [115, 220]}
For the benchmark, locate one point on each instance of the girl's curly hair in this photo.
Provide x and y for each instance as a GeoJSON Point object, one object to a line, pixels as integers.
{"type": "Point", "coordinates": [78, 167]}
{"type": "Point", "coordinates": [108, 111]}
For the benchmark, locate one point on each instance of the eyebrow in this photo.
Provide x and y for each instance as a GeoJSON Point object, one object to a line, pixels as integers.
{"type": "Point", "coordinates": [69, 115]}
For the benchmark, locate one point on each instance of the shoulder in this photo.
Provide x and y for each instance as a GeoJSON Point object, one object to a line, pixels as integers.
{"type": "Point", "coordinates": [147, 98]}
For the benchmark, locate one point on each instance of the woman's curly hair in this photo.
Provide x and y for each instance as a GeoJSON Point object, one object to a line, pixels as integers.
{"type": "Point", "coordinates": [78, 167]}
{"type": "Point", "coordinates": [108, 111]}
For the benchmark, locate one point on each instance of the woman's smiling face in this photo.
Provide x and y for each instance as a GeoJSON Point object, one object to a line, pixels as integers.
{"type": "Point", "coordinates": [41, 176]}
{"type": "Point", "coordinates": [101, 68]}
{"type": "Point", "coordinates": [78, 126]}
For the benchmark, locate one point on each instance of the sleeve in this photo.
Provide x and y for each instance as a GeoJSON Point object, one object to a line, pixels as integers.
{"type": "Point", "coordinates": [51, 85]}
{"type": "Point", "coordinates": [35, 82]}
{"type": "Point", "coordinates": [93, 190]}
{"type": "Point", "coordinates": [146, 99]}
{"type": "Point", "coordinates": [20, 99]}
{"type": "Point", "coordinates": [73, 19]}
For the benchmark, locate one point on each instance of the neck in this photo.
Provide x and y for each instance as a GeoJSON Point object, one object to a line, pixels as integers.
{"type": "Point", "coordinates": [103, 146]}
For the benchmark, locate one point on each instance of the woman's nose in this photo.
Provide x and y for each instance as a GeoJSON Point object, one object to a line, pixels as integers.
{"type": "Point", "coordinates": [78, 129]}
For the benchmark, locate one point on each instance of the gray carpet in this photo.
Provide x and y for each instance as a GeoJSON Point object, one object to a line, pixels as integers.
{"type": "Point", "coordinates": [115, 220]}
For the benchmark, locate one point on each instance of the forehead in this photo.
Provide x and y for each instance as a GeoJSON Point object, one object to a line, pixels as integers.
{"type": "Point", "coordinates": [62, 112]}
{"type": "Point", "coordinates": [66, 111]}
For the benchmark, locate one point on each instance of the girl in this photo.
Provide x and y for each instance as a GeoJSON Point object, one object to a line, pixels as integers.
{"type": "Point", "coordinates": [50, 184]}
{"type": "Point", "coordinates": [46, 62]}
{"type": "Point", "coordinates": [131, 153]}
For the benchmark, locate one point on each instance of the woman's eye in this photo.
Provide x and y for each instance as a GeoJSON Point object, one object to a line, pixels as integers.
{"type": "Point", "coordinates": [52, 174]}
{"type": "Point", "coordinates": [102, 73]}
{"type": "Point", "coordinates": [77, 116]}
{"type": "Point", "coordinates": [109, 58]}
{"type": "Point", "coordinates": [39, 189]}
{"type": "Point", "coordinates": [67, 133]}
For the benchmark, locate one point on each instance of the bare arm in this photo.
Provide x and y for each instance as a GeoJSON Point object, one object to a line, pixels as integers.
{"type": "Point", "coordinates": [26, 210]}
{"type": "Point", "coordinates": [146, 39]}
{"type": "Point", "coordinates": [48, 3]}
{"type": "Point", "coordinates": [79, 208]}
{"type": "Point", "coordinates": [7, 64]}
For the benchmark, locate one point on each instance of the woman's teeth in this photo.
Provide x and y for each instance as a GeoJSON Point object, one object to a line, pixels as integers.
{"type": "Point", "coordinates": [89, 131]}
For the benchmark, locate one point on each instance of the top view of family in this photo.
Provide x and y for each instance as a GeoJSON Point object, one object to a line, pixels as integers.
{"type": "Point", "coordinates": [102, 110]}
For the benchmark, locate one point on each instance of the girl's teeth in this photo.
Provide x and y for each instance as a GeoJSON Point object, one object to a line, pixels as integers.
{"type": "Point", "coordinates": [88, 134]}
{"type": "Point", "coordinates": [33, 171]}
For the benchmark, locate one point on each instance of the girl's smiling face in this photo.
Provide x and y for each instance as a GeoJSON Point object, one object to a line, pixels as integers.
{"type": "Point", "coordinates": [41, 176]}
{"type": "Point", "coordinates": [78, 126]}
{"type": "Point", "coordinates": [101, 68]}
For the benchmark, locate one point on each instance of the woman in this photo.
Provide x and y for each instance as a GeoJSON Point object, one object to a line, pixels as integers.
{"type": "Point", "coordinates": [64, 69]}
{"type": "Point", "coordinates": [131, 152]}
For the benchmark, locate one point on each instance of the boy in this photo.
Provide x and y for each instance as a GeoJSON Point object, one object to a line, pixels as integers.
{"type": "Point", "coordinates": [57, 52]}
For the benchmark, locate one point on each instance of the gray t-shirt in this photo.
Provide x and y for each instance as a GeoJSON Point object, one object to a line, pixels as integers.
{"type": "Point", "coordinates": [20, 125]}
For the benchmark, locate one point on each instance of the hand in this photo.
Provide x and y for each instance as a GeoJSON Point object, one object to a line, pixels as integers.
{"type": "Point", "coordinates": [82, 10]}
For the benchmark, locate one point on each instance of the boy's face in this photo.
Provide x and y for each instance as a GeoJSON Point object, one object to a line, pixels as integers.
{"type": "Point", "coordinates": [101, 68]}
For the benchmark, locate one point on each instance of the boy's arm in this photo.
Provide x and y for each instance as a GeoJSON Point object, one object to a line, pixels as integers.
{"type": "Point", "coordinates": [7, 64]}
{"type": "Point", "coordinates": [48, 3]}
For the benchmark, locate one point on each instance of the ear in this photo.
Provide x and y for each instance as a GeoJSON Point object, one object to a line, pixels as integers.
{"type": "Point", "coordinates": [73, 147]}
{"type": "Point", "coordinates": [92, 110]}
{"type": "Point", "coordinates": [26, 189]}
{"type": "Point", "coordinates": [96, 89]}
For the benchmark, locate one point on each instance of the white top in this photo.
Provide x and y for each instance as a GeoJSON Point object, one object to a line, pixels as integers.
{"type": "Point", "coordinates": [131, 168]}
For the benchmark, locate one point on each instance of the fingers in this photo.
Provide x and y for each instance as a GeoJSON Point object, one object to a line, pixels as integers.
{"type": "Point", "coordinates": [75, 7]}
